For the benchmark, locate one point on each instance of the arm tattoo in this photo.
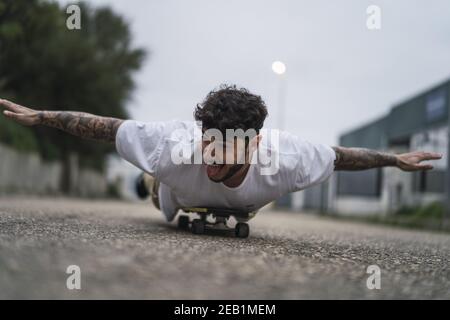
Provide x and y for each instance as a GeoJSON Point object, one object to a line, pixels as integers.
{"type": "Point", "coordinates": [361, 159]}
{"type": "Point", "coordinates": [82, 124]}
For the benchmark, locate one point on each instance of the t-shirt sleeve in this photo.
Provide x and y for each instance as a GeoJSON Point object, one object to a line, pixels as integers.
{"type": "Point", "coordinates": [319, 165]}
{"type": "Point", "coordinates": [313, 163]}
{"type": "Point", "coordinates": [140, 143]}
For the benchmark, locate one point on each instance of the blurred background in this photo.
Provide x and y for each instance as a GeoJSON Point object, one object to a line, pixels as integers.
{"type": "Point", "coordinates": [335, 81]}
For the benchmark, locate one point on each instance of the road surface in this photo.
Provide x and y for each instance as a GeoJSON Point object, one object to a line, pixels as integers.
{"type": "Point", "coordinates": [127, 250]}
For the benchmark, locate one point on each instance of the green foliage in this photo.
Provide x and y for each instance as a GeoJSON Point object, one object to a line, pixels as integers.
{"type": "Point", "coordinates": [17, 136]}
{"type": "Point", "coordinates": [431, 217]}
{"type": "Point", "coordinates": [431, 210]}
{"type": "Point", "coordinates": [45, 65]}
{"type": "Point", "coordinates": [113, 191]}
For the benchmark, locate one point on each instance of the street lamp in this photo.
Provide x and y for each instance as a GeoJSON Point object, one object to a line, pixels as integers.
{"type": "Point", "coordinates": [279, 68]}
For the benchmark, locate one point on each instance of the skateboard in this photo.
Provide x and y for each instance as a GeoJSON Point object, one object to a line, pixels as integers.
{"type": "Point", "coordinates": [220, 218]}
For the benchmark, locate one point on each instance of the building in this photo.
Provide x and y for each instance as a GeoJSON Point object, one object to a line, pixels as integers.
{"type": "Point", "coordinates": [418, 123]}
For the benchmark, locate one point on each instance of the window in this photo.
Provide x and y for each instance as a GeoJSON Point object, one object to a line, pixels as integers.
{"type": "Point", "coordinates": [366, 183]}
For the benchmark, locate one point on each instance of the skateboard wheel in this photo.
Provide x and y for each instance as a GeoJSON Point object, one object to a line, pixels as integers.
{"type": "Point", "coordinates": [242, 230]}
{"type": "Point", "coordinates": [198, 226]}
{"type": "Point", "coordinates": [183, 222]}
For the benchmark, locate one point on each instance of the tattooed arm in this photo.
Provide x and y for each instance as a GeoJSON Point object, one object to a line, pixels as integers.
{"type": "Point", "coordinates": [80, 124]}
{"type": "Point", "coordinates": [361, 159]}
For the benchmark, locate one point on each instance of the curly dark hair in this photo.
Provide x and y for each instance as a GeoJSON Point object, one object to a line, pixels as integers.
{"type": "Point", "coordinates": [229, 107]}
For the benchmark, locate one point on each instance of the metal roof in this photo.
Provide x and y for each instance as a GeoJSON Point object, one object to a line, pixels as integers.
{"type": "Point", "coordinates": [425, 110]}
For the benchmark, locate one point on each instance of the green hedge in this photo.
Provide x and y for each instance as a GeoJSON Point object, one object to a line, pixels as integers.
{"type": "Point", "coordinates": [434, 210]}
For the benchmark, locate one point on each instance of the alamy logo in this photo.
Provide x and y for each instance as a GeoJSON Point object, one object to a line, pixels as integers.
{"type": "Point", "coordinates": [374, 280]}
{"type": "Point", "coordinates": [373, 21]}
{"type": "Point", "coordinates": [237, 147]}
{"type": "Point", "coordinates": [73, 281]}
{"type": "Point", "coordinates": [73, 22]}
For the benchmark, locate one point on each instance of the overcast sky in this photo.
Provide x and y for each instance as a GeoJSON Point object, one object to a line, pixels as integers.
{"type": "Point", "coordinates": [339, 74]}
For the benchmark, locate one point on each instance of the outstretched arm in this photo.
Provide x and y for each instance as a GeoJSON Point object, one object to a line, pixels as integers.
{"type": "Point", "coordinates": [80, 124]}
{"type": "Point", "coordinates": [361, 159]}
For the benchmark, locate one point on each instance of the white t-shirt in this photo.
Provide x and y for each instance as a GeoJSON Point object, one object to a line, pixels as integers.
{"type": "Point", "coordinates": [295, 164]}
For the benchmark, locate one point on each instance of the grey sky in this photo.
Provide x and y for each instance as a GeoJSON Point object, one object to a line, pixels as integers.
{"type": "Point", "coordinates": [339, 74]}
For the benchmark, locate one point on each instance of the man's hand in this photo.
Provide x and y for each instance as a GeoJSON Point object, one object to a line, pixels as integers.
{"type": "Point", "coordinates": [412, 161]}
{"type": "Point", "coordinates": [20, 114]}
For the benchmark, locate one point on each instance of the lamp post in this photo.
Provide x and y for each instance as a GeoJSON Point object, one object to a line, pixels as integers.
{"type": "Point", "coordinates": [279, 68]}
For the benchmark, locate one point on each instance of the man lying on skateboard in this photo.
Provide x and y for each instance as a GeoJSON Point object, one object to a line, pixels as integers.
{"type": "Point", "coordinates": [196, 164]}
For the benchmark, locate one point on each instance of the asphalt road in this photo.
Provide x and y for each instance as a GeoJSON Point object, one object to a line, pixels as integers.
{"type": "Point", "coordinates": [127, 250]}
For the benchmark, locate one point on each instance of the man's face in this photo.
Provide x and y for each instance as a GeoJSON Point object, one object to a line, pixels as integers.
{"type": "Point", "coordinates": [223, 159]}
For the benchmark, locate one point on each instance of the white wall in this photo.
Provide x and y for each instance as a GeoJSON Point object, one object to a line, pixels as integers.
{"type": "Point", "coordinates": [27, 173]}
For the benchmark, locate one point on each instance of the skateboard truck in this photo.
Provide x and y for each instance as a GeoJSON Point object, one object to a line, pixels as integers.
{"type": "Point", "coordinates": [220, 215]}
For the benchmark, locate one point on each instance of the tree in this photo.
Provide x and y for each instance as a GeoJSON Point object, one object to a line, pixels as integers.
{"type": "Point", "coordinates": [46, 65]}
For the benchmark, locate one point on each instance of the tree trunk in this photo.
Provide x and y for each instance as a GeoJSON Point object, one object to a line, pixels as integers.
{"type": "Point", "coordinates": [70, 173]}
